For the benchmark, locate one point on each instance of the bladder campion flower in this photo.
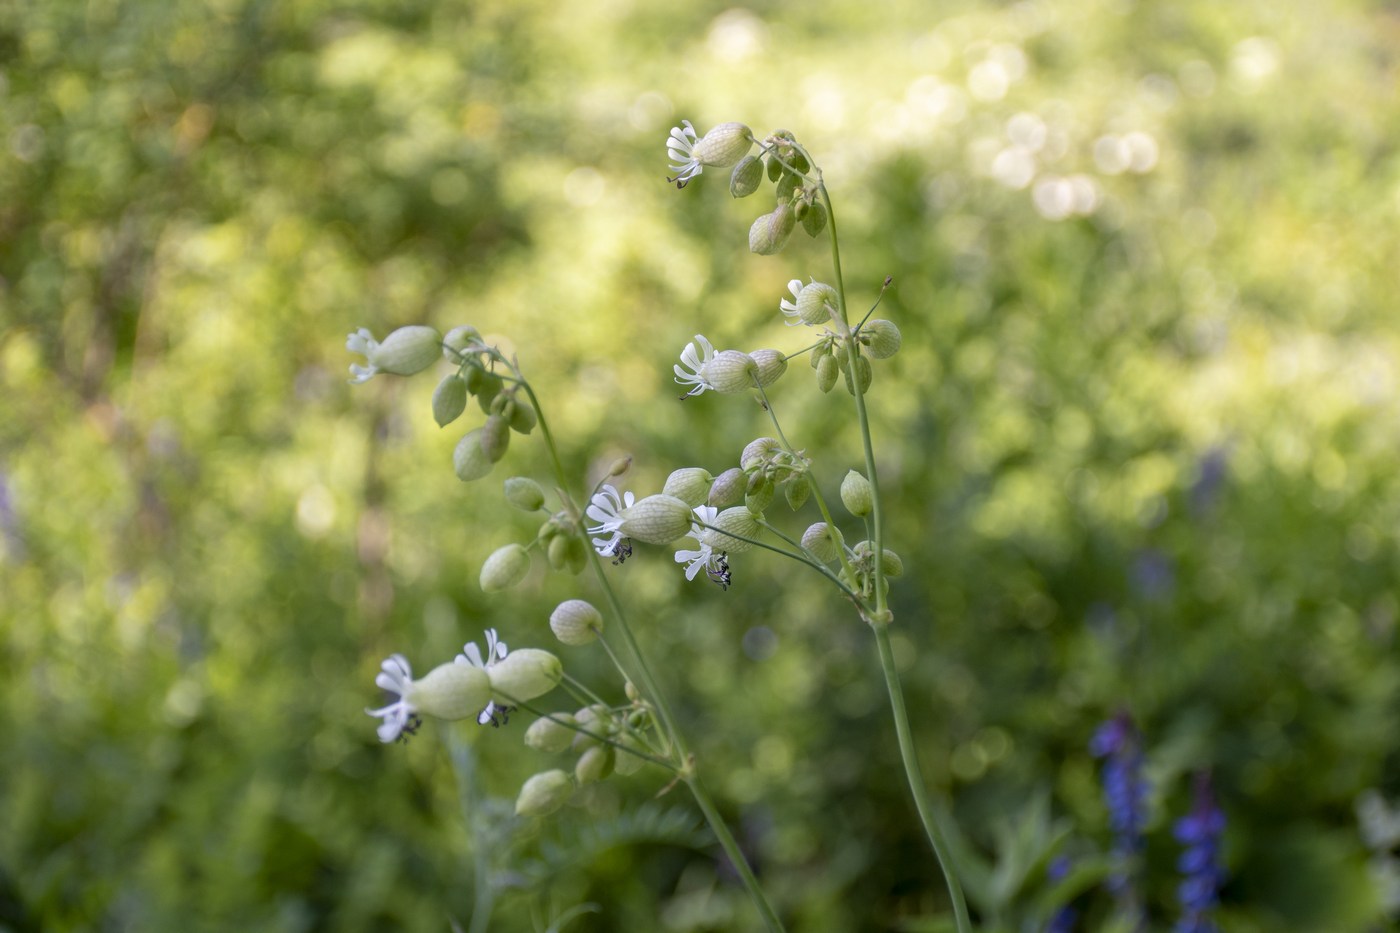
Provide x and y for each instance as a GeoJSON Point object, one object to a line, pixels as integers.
{"type": "Point", "coordinates": [725, 371]}
{"type": "Point", "coordinates": [496, 652]}
{"type": "Point", "coordinates": [714, 563]}
{"type": "Point", "coordinates": [691, 153]}
{"type": "Point", "coordinates": [449, 691]}
{"type": "Point", "coordinates": [606, 509]}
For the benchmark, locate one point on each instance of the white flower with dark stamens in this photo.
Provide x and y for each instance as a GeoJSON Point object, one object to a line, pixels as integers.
{"type": "Point", "coordinates": [691, 153]}
{"type": "Point", "coordinates": [362, 342]}
{"type": "Point", "coordinates": [397, 677]}
{"type": "Point", "coordinates": [789, 308]}
{"type": "Point", "coordinates": [496, 651]}
{"type": "Point", "coordinates": [725, 371]}
{"type": "Point", "coordinates": [704, 557]}
{"type": "Point", "coordinates": [606, 509]}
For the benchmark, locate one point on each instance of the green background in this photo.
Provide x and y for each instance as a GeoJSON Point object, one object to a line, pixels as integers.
{"type": "Point", "coordinates": [1141, 457]}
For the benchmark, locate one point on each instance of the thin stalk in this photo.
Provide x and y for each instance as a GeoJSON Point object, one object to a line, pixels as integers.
{"type": "Point", "coordinates": [463, 759]}
{"type": "Point", "coordinates": [731, 849]}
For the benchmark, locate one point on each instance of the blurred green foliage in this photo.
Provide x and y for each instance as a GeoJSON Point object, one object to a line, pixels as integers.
{"type": "Point", "coordinates": [1142, 441]}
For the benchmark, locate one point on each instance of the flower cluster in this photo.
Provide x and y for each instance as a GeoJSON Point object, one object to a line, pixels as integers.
{"type": "Point", "coordinates": [1202, 873]}
{"type": "Point", "coordinates": [1125, 791]}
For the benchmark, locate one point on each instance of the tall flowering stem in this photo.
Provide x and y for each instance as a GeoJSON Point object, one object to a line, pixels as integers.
{"type": "Point", "coordinates": [1202, 874]}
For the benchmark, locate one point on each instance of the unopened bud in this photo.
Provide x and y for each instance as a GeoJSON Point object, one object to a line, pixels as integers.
{"type": "Point", "coordinates": [624, 762]}
{"type": "Point", "coordinates": [856, 494]}
{"type": "Point", "coordinates": [524, 493]}
{"type": "Point", "coordinates": [728, 488]}
{"type": "Point", "coordinates": [407, 350]}
{"type": "Point", "coordinates": [770, 233]}
{"type": "Point", "coordinates": [495, 437]}
{"type": "Point", "coordinates": [576, 622]}
{"type": "Point", "coordinates": [814, 221]}
{"type": "Point", "coordinates": [457, 341]}
{"type": "Point", "coordinates": [822, 541]}
{"type": "Point", "coordinates": [864, 374]}
{"type": "Point", "coordinates": [451, 691]}
{"type": "Point", "coordinates": [757, 451]}
{"type": "Point", "coordinates": [746, 177]}
{"type": "Point", "coordinates": [544, 793]}
{"type": "Point", "coordinates": [523, 419]}
{"type": "Point", "coordinates": [689, 484]}
{"type": "Point", "coordinates": [550, 735]}
{"type": "Point", "coordinates": [882, 337]}
{"type": "Point", "coordinates": [619, 466]}
{"type": "Point", "coordinates": [760, 492]}
{"type": "Point", "coordinates": [469, 458]}
{"type": "Point", "coordinates": [658, 519]}
{"type": "Point", "coordinates": [449, 399]}
{"type": "Point", "coordinates": [771, 366]}
{"type": "Point", "coordinates": [566, 552]}
{"type": "Point", "coordinates": [828, 371]}
{"type": "Point", "coordinates": [524, 674]}
{"type": "Point", "coordinates": [595, 764]}
{"type": "Point", "coordinates": [797, 490]}
{"type": "Point", "coordinates": [505, 567]}
{"type": "Point", "coordinates": [737, 521]}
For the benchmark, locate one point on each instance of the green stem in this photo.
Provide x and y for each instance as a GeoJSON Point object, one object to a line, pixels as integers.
{"type": "Point", "coordinates": [469, 795]}
{"type": "Point", "coordinates": [907, 751]}
{"type": "Point", "coordinates": [731, 848]}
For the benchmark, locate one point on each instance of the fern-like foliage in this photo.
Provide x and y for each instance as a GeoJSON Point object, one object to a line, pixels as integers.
{"type": "Point", "coordinates": [575, 845]}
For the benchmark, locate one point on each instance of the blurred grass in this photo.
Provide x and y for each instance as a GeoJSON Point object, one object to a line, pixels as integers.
{"type": "Point", "coordinates": [1143, 456]}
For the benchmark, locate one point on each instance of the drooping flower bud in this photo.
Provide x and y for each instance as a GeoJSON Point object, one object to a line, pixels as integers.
{"type": "Point", "coordinates": [689, 484]}
{"type": "Point", "coordinates": [882, 337]}
{"type": "Point", "coordinates": [658, 519]}
{"type": "Point", "coordinates": [544, 793]}
{"type": "Point", "coordinates": [469, 458]}
{"type": "Point", "coordinates": [728, 488]}
{"type": "Point", "coordinates": [576, 622]}
{"type": "Point", "coordinates": [625, 762]}
{"type": "Point", "coordinates": [449, 399]}
{"type": "Point", "coordinates": [797, 490]}
{"type": "Point", "coordinates": [828, 371]}
{"type": "Point", "coordinates": [505, 567]}
{"type": "Point", "coordinates": [567, 553]}
{"type": "Point", "coordinates": [816, 303]}
{"type": "Point", "coordinates": [770, 233]}
{"type": "Point", "coordinates": [550, 735]}
{"type": "Point", "coordinates": [524, 493]}
{"type": "Point", "coordinates": [814, 221]}
{"type": "Point", "coordinates": [760, 492]}
{"type": "Point", "coordinates": [864, 374]}
{"type": "Point", "coordinates": [822, 541]}
{"type": "Point", "coordinates": [407, 350]}
{"type": "Point", "coordinates": [746, 177]}
{"type": "Point", "coordinates": [890, 562]}
{"type": "Point", "coordinates": [723, 145]}
{"type": "Point", "coordinates": [856, 494]}
{"type": "Point", "coordinates": [523, 418]}
{"type": "Point", "coordinates": [524, 674]}
{"type": "Point", "coordinates": [595, 764]}
{"type": "Point", "coordinates": [451, 691]}
{"type": "Point", "coordinates": [758, 451]}
{"type": "Point", "coordinates": [771, 366]}
{"type": "Point", "coordinates": [458, 339]}
{"type": "Point", "coordinates": [594, 720]}
{"type": "Point", "coordinates": [739, 521]}
{"type": "Point", "coordinates": [495, 438]}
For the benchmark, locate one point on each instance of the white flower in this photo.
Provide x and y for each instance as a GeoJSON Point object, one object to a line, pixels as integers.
{"type": "Point", "coordinates": [400, 716]}
{"type": "Point", "coordinates": [696, 360]}
{"type": "Point", "coordinates": [714, 563]}
{"type": "Point", "coordinates": [690, 153]}
{"type": "Point", "coordinates": [606, 509]}
{"type": "Point", "coordinates": [789, 308]}
{"type": "Point", "coordinates": [363, 342]}
{"type": "Point", "coordinates": [496, 651]}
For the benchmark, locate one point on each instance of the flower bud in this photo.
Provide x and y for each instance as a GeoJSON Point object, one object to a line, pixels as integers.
{"type": "Point", "coordinates": [451, 691]}
{"type": "Point", "coordinates": [770, 233]}
{"type": "Point", "coordinates": [457, 341]}
{"type": "Point", "coordinates": [524, 674]}
{"type": "Point", "coordinates": [760, 492]}
{"type": "Point", "coordinates": [566, 553]}
{"type": "Point", "coordinates": [728, 488]}
{"type": "Point", "coordinates": [449, 399]}
{"type": "Point", "coordinates": [771, 366]}
{"type": "Point", "coordinates": [775, 169]}
{"type": "Point", "coordinates": [576, 622]}
{"type": "Point", "coordinates": [892, 563]}
{"type": "Point", "coordinates": [816, 302]}
{"type": "Point", "coordinates": [828, 371]}
{"type": "Point", "coordinates": [595, 720]}
{"type": "Point", "coordinates": [407, 350]}
{"type": "Point", "coordinates": [544, 793]}
{"type": "Point", "coordinates": [658, 519]}
{"type": "Point", "coordinates": [730, 371]}
{"type": "Point", "coordinates": [485, 387]}
{"type": "Point", "coordinates": [758, 451]}
{"type": "Point", "coordinates": [689, 484]}
{"type": "Point", "coordinates": [469, 459]}
{"type": "Point", "coordinates": [738, 520]}
{"type": "Point", "coordinates": [797, 490]}
{"type": "Point", "coordinates": [856, 494]}
{"type": "Point", "coordinates": [723, 145]}
{"type": "Point", "coordinates": [524, 493]}
{"type": "Point", "coordinates": [822, 541]}
{"type": "Point", "coordinates": [746, 177]}
{"type": "Point", "coordinates": [814, 221]}
{"type": "Point", "coordinates": [505, 567]}
{"type": "Point", "coordinates": [882, 337]}
{"type": "Point", "coordinates": [495, 438]}
{"type": "Point", "coordinates": [595, 764]}
{"type": "Point", "coordinates": [523, 419]}
{"type": "Point", "coordinates": [624, 762]}
{"type": "Point", "coordinates": [550, 735]}
{"type": "Point", "coordinates": [864, 375]}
